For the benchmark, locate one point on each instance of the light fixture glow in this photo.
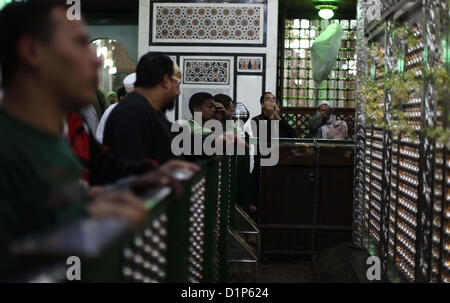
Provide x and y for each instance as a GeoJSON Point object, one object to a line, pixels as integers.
{"type": "Point", "coordinates": [113, 70]}
{"type": "Point", "coordinates": [326, 13]}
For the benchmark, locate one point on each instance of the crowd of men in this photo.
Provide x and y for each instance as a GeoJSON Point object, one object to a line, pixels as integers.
{"type": "Point", "coordinates": [49, 75]}
{"type": "Point", "coordinates": [60, 146]}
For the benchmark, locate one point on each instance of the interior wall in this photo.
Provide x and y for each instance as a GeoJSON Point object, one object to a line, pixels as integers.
{"type": "Point", "coordinates": [127, 35]}
{"type": "Point", "coordinates": [234, 42]}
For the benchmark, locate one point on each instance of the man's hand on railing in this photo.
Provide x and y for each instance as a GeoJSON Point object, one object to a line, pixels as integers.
{"type": "Point", "coordinates": [123, 205]}
{"type": "Point", "coordinates": [179, 165]}
{"type": "Point", "coordinates": [164, 176]}
{"type": "Point", "coordinates": [157, 178]}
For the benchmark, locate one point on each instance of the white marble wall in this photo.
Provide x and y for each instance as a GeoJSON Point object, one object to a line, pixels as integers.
{"type": "Point", "coordinates": [249, 85]}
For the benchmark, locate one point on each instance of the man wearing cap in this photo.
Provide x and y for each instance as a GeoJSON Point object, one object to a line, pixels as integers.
{"type": "Point", "coordinates": [128, 82]}
{"type": "Point", "coordinates": [325, 126]}
{"type": "Point", "coordinates": [137, 128]}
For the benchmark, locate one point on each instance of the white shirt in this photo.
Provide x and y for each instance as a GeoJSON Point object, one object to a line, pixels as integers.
{"type": "Point", "coordinates": [90, 117]}
{"type": "Point", "coordinates": [102, 123]}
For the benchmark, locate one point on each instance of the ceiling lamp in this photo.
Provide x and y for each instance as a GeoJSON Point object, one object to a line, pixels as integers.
{"type": "Point", "coordinates": [326, 11]}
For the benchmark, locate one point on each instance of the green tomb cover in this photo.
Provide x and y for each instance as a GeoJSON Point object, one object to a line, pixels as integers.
{"type": "Point", "coordinates": [325, 51]}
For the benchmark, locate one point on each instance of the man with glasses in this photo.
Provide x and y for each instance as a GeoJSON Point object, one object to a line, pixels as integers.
{"type": "Point", "coordinates": [137, 128]}
{"type": "Point", "coordinates": [270, 111]}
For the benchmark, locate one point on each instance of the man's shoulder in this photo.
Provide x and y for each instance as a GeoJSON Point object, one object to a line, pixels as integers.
{"type": "Point", "coordinates": [316, 118]}
{"type": "Point", "coordinates": [133, 100]}
{"type": "Point", "coordinates": [131, 108]}
{"type": "Point", "coordinates": [109, 110]}
{"type": "Point", "coordinates": [259, 117]}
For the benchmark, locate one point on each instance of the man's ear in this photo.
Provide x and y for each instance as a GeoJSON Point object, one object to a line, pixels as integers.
{"type": "Point", "coordinates": [166, 81]}
{"type": "Point", "coordinates": [28, 50]}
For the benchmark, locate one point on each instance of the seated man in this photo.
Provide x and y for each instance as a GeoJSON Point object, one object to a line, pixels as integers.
{"type": "Point", "coordinates": [325, 126]}
{"type": "Point", "coordinates": [137, 128]}
{"type": "Point", "coordinates": [228, 104]}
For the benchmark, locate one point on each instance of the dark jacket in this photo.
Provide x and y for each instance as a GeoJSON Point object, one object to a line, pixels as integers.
{"type": "Point", "coordinates": [285, 130]}
{"type": "Point", "coordinates": [315, 123]}
{"type": "Point", "coordinates": [136, 131]}
{"type": "Point", "coordinates": [100, 165]}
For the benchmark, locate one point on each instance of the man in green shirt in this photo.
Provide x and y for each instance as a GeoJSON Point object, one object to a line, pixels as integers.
{"type": "Point", "coordinates": [48, 69]}
{"type": "Point", "coordinates": [202, 103]}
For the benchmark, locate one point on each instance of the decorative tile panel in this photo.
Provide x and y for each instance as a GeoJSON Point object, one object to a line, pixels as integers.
{"type": "Point", "coordinates": [200, 71]}
{"type": "Point", "coordinates": [208, 23]}
{"type": "Point", "coordinates": [250, 64]}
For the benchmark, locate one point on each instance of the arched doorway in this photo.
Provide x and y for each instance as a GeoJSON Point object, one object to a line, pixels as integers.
{"type": "Point", "coordinates": [116, 64]}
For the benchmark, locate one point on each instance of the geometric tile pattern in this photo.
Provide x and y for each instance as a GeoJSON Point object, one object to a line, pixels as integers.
{"type": "Point", "coordinates": [208, 23]}
{"type": "Point", "coordinates": [250, 64]}
{"type": "Point", "coordinates": [206, 71]}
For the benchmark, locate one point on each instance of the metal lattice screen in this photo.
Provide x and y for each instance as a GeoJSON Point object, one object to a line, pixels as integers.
{"type": "Point", "coordinates": [297, 84]}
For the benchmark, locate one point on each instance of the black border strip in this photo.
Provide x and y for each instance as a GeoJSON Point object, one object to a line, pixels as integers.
{"type": "Point", "coordinates": [264, 44]}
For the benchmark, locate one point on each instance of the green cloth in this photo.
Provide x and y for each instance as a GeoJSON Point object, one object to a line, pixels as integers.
{"type": "Point", "coordinates": [324, 51]}
{"type": "Point", "coordinates": [197, 129]}
{"type": "Point", "coordinates": [39, 184]}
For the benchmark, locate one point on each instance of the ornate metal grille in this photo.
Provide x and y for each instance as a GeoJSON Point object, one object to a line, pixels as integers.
{"type": "Point", "coordinates": [196, 230]}
{"type": "Point", "coordinates": [145, 259]}
{"type": "Point", "coordinates": [405, 192]}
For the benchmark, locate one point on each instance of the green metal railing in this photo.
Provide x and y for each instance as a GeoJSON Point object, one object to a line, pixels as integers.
{"type": "Point", "coordinates": [184, 238]}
